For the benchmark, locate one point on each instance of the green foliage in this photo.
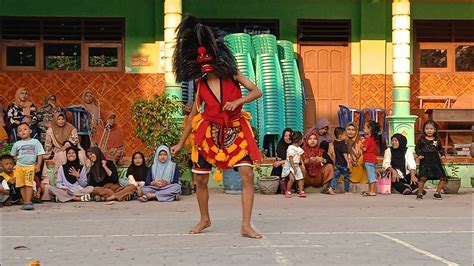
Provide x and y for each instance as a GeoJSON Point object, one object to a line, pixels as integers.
{"type": "Point", "coordinates": [6, 148]}
{"type": "Point", "coordinates": [454, 170]}
{"type": "Point", "coordinates": [158, 123]}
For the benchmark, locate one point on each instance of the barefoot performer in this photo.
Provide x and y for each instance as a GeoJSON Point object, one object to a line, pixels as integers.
{"type": "Point", "coordinates": [222, 133]}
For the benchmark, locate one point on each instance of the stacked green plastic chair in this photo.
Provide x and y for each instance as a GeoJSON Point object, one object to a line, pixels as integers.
{"type": "Point", "coordinates": [269, 80]}
{"type": "Point", "coordinates": [241, 46]}
{"type": "Point", "coordinates": [293, 94]}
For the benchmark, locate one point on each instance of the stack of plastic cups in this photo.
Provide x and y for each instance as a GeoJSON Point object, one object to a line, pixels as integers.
{"type": "Point", "coordinates": [241, 46]}
{"type": "Point", "coordinates": [269, 80]}
{"type": "Point", "coordinates": [292, 86]}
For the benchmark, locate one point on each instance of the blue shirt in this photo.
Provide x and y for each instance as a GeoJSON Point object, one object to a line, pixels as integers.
{"type": "Point", "coordinates": [26, 151]}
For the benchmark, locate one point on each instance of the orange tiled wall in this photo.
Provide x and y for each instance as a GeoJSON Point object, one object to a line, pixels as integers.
{"type": "Point", "coordinates": [115, 91]}
{"type": "Point", "coordinates": [377, 90]}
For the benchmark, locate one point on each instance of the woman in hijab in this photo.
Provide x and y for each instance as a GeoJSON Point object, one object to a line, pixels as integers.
{"type": "Point", "coordinates": [91, 105]}
{"type": "Point", "coordinates": [71, 180]}
{"type": "Point", "coordinates": [318, 163]}
{"type": "Point", "coordinates": [282, 146]}
{"type": "Point", "coordinates": [109, 138]}
{"type": "Point", "coordinates": [22, 110]}
{"type": "Point", "coordinates": [354, 143]}
{"type": "Point", "coordinates": [60, 136]}
{"type": "Point", "coordinates": [162, 182]}
{"type": "Point", "coordinates": [46, 114]}
{"type": "Point", "coordinates": [322, 128]}
{"type": "Point", "coordinates": [137, 171]}
{"type": "Point", "coordinates": [104, 178]}
{"type": "Point", "coordinates": [400, 164]}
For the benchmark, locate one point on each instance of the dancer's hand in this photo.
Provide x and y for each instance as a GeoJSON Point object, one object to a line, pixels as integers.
{"type": "Point", "coordinates": [176, 148]}
{"type": "Point", "coordinates": [231, 106]}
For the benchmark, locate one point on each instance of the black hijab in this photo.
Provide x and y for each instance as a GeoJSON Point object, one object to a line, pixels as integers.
{"type": "Point", "coordinates": [97, 172]}
{"type": "Point", "coordinates": [398, 155]}
{"type": "Point", "coordinates": [69, 164]}
{"type": "Point", "coordinates": [282, 145]}
{"type": "Point", "coordinates": [139, 173]}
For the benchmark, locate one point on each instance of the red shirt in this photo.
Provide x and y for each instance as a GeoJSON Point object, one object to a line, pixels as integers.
{"type": "Point", "coordinates": [370, 155]}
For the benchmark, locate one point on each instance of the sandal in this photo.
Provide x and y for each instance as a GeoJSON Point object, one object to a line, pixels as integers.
{"type": "Point", "coordinates": [302, 194]}
{"type": "Point", "coordinates": [99, 198]}
{"type": "Point", "coordinates": [143, 198]}
{"type": "Point", "coordinates": [86, 198]}
{"type": "Point", "coordinates": [367, 194]}
{"type": "Point", "coordinates": [288, 194]}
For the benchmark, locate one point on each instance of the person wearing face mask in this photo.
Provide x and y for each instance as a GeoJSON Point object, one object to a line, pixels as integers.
{"type": "Point", "coordinates": [109, 138]}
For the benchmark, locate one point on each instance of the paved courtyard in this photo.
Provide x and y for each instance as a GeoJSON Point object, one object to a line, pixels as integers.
{"type": "Point", "coordinates": [318, 230]}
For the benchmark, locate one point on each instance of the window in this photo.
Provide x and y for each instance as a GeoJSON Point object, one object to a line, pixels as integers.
{"type": "Point", "coordinates": [444, 45]}
{"type": "Point", "coordinates": [62, 44]}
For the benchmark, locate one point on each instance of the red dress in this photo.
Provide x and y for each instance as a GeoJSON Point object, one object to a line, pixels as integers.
{"type": "Point", "coordinates": [222, 138]}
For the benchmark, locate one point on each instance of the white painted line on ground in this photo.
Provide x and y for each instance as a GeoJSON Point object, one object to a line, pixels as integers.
{"type": "Point", "coordinates": [424, 252]}
{"type": "Point", "coordinates": [266, 243]}
{"type": "Point", "coordinates": [235, 234]}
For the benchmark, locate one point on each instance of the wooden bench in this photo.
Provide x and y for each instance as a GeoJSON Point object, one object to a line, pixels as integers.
{"type": "Point", "coordinates": [453, 117]}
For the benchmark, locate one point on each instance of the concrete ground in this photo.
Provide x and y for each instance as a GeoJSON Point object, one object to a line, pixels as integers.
{"type": "Point", "coordinates": [318, 230]}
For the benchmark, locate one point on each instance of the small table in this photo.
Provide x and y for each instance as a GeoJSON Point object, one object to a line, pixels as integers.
{"type": "Point", "coordinates": [434, 98]}
{"type": "Point", "coordinates": [453, 116]}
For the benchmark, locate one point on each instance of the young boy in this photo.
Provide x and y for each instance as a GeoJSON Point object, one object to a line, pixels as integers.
{"type": "Point", "coordinates": [8, 192]}
{"type": "Point", "coordinates": [29, 153]}
{"type": "Point", "coordinates": [342, 166]}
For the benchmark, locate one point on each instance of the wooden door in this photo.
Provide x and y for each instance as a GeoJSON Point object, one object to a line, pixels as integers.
{"type": "Point", "coordinates": [326, 74]}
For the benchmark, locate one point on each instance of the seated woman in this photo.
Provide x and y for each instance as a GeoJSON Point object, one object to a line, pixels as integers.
{"type": "Point", "coordinates": [282, 146]}
{"type": "Point", "coordinates": [71, 180]}
{"type": "Point", "coordinates": [162, 182]}
{"type": "Point", "coordinates": [399, 162]}
{"type": "Point", "coordinates": [137, 171]}
{"type": "Point", "coordinates": [60, 136]}
{"type": "Point", "coordinates": [354, 144]}
{"type": "Point", "coordinates": [22, 110]}
{"type": "Point", "coordinates": [322, 129]}
{"type": "Point", "coordinates": [318, 163]}
{"type": "Point", "coordinates": [104, 178]}
{"type": "Point", "coordinates": [109, 138]}
{"type": "Point", "coordinates": [46, 114]}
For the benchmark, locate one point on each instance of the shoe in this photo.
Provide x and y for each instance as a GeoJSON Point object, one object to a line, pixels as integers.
{"type": "Point", "coordinates": [302, 194]}
{"type": "Point", "coordinates": [437, 196]}
{"type": "Point", "coordinates": [28, 207]}
{"type": "Point", "coordinates": [325, 191]}
{"type": "Point", "coordinates": [419, 196]}
{"type": "Point", "coordinates": [288, 194]}
{"type": "Point", "coordinates": [86, 198]}
{"type": "Point", "coordinates": [143, 198]}
{"type": "Point", "coordinates": [331, 191]}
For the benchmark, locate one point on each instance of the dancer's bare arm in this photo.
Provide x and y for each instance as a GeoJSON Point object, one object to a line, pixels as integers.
{"type": "Point", "coordinates": [186, 132]}
{"type": "Point", "coordinates": [254, 93]}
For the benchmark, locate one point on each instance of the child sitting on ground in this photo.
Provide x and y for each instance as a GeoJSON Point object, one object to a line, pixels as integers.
{"type": "Point", "coordinates": [293, 166]}
{"type": "Point", "coordinates": [29, 157]}
{"type": "Point", "coordinates": [7, 178]}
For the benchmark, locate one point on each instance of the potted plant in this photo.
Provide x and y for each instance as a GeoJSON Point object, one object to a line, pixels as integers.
{"type": "Point", "coordinates": [267, 184]}
{"type": "Point", "coordinates": [453, 182]}
{"type": "Point", "coordinates": [158, 122]}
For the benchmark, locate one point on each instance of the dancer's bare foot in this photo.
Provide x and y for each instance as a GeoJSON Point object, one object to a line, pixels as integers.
{"type": "Point", "coordinates": [197, 229]}
{"type": "Point", "coordinates": [250, 233]}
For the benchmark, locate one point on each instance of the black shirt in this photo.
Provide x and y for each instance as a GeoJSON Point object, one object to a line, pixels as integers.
{"type": "Point", "coordinates": [340, 147]}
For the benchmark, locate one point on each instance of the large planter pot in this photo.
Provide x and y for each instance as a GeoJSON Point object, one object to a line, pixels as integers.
{"type": "Point", "coordinates": [232, 182]}
{"type": "Point", "coordinates": [268, 184]}
{"type": "Point", "coordinates": [452, 186]}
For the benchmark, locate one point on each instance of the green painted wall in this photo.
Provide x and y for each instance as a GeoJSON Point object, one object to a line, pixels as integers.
{"type": "Point", "coordinates": [143, 18]}
{"type": "Point", "coordinates": [286, 11]}
{"type": "Point", "coordinates": [436, 10]}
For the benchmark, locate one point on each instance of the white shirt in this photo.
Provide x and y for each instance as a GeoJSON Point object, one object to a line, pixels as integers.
{"type": "Point", "coordinates": [410, 163]}
{"type": "Point", "coordinates": [295, 152]}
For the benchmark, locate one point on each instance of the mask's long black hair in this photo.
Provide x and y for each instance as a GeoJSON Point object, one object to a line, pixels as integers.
{"type": "Point", "coordinates": [190, 35]}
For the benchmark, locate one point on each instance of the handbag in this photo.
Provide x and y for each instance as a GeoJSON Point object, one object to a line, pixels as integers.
{"type": "Point", "coordinates": [384, 183]}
